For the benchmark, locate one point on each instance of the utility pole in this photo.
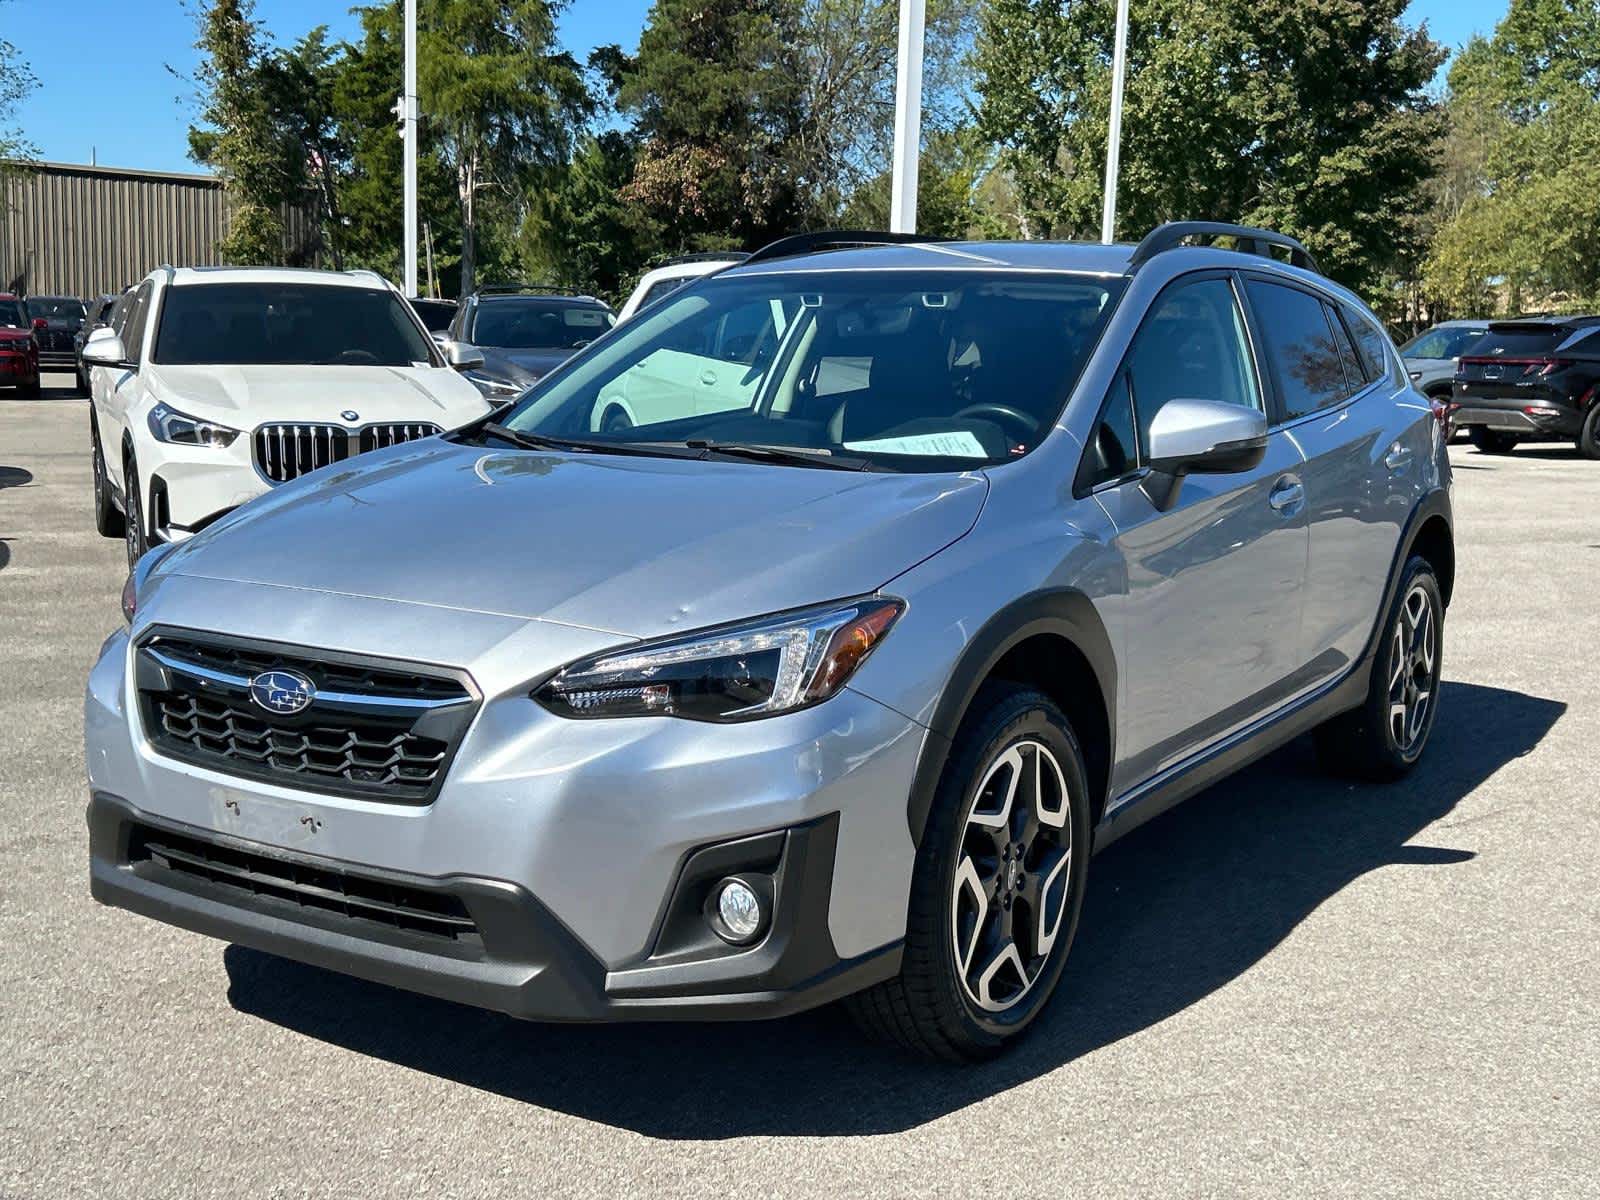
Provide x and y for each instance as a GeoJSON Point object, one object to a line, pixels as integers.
{"type": "Point", "coordinates": [1119, 70]}
{"type": "Point", "coordinates": [907, 118]}
{"type": "Point", "coordinates": [408, 130]}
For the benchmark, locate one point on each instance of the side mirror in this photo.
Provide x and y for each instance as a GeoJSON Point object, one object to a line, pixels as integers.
{"type": "Point", "coordinates": [1204, 437]}
{"type": "Point", "coordinates": [463, 356]}
{"type": "Point", "coordinates": [104, 348]}
{"type": "Point", "coordinates": [40, 323]}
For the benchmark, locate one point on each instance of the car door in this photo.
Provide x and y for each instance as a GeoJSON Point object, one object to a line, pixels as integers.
{"type": "Point", "coordinates": [1358, 424]}
{"type": "Point", "coordinates": [114, 390]}
{"type": "Point", "coordinates": [1211, 613]}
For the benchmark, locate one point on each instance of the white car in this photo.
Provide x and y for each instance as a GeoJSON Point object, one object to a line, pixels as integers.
{"type": "Point", "coordinates": [674, 274]}
{"type": "Point", "coordinates": [217, 384]}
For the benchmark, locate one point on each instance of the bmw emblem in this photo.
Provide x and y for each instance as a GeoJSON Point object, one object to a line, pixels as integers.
{"type": "Point", "coordinates": [350, 414]}
{"type": "Point", "coordinates": [282, 692]}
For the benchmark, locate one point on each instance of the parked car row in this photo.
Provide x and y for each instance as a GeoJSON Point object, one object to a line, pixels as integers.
{"type": "Point", "coordinates": [1528, 379]}
{"type": "Point", "coordinates": [913, 575]}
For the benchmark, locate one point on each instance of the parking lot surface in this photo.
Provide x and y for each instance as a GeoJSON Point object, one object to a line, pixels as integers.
{"type": "Point", "coordinates": [1290, 986]}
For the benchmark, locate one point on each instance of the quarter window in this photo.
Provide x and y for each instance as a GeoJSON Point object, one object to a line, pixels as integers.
{"type": "Point", "coordinates": [1355, 371]}
{"type": "Point", "coordinates": [1374, 343]}
{"type": "Point", "coordinates": [1300, 347]}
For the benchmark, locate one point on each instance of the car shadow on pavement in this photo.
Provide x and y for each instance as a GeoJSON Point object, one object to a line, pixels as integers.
{"type": "Point", "coordinates": [1175, 911]}
{"type": "Point", "coordinates": [11, 477]}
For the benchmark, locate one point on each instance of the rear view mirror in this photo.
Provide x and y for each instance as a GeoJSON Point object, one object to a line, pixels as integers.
{"type": "Point", "coordinates": [463, 356]}
{"type": "Point", "coordinates": [1201, 437]}
{"type": "Point", "coordinates": [104, 348]}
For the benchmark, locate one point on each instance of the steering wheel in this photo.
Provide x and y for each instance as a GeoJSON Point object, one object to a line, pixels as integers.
{"type": "Point", "coordinates": [1004, 414]}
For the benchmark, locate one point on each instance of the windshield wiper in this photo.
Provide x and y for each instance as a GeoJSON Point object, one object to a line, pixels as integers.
{"type": "Point", "coordinates": [799, 456]}
{"type": "Point", "coordinates": [543, 441]}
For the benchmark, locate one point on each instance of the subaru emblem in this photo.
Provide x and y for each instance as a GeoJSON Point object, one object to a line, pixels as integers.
{"type": "Point", "coordinates": [350, 414]}
{"type": "Point", "coordinates": [282, 692]}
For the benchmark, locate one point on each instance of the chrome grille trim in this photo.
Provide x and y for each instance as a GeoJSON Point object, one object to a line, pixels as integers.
{"type": "Point", "coordinates": [285, 451]}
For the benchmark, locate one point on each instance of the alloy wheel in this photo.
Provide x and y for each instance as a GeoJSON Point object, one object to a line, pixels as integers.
{"type": "Point", "coordinates": [1013, 877]}
{"type": "Point", "coordinates": [133, 525]}
{"type": "Point", "coordinates": [1413, 657]}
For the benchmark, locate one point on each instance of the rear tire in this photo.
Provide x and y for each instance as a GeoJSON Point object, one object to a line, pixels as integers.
{"type": "Point", "coordinates": [1007, 841]}
{"type": "Point", "coordinates": [107, 516]}
{"type": "Point", "coordinates": [29, 391]}
{"type": "Point", "coordinates": [1493, 441]}
{"type": "Point", "coordinates": [1589, 435]}
{"type": "Point", "coordinates": [82, 388]}
{"type": "Point", "coordinates": [1384, 738]}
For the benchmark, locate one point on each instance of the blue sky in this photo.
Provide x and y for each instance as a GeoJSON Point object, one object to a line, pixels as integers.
{"type": "Point", "coordinates": [103, 86]}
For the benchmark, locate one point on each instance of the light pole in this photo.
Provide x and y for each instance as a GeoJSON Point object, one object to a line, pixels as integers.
{"type": "Point", "coordinates": [1119, 69]}
{"type": "Point", "coordinates": [907, 118]}
{"type": "Point", "coordinates": [408, 131]}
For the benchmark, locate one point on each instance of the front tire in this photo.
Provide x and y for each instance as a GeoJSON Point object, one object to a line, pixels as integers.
{"type": "Point", "coordinates": [107, 517]}
{"type": "Point", "coordinates": [1493, 441]}
{"type": "Point", "coordinates": [998, 885]}
{"type": "Point", "coordinates": [135, 537]}
{"type": "Point", "coordinates": [1385, 737]}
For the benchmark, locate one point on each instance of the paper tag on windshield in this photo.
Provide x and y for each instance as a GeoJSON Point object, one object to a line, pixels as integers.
{"type": "Point", "coordinates": [958, 444]}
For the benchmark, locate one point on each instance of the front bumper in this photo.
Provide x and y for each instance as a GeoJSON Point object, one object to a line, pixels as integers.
{"type": "Point", "coordinates": [579, 849]}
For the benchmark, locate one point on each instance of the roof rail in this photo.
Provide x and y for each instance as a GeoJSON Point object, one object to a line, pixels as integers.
{"type": "Point", "coordinates": [727, 256]}
{"type": "Point", "coordinates": [512, 289]}
{"type": "Point", "coordinates": [836, 239]}
{"type": "Point", "coordinates": [1249, 239]}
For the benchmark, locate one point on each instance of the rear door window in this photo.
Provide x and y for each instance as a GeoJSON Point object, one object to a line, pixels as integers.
{"type": "Point", "coordinates": [1300, 348]}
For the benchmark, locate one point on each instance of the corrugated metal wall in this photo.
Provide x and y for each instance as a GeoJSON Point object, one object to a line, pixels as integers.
{"type": "Point", "coordinates": [80, 231]}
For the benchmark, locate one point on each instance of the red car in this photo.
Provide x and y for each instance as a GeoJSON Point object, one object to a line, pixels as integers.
{"type": "Point", "coordinates": [19, 349]}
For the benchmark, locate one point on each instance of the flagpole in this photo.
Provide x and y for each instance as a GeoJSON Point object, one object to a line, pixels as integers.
{"type": "Point", "coordinates": [907, 118]}
{"type": "Point", "coordinates": [1119, 70]}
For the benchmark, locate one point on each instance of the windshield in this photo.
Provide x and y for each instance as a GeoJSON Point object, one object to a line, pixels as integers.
{"type": "Point", "coordinates": [518, 324]}
{"type": "Point", "coordinates": [12, 316]}
{"type": "Point", "coordinates": [288, 324]}
{"type": "Point", "coordinates": [1442, 343]}
{"type": "Point", "coordinates": [55, 306]}
{"type": "Point", "coordinates": [935, 370]}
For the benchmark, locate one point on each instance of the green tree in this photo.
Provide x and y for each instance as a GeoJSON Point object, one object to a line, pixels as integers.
{"type": "Point", "coordinates": [504, 103]}
{"type": "Point", "coordinates": [716, 113]}
{"type": "Point", "coordinates": [240, 136]}
{"type": "Point", "coordinates": [1309, 116]}
{"type": "Point", "coordinates": [1524, 108]}
{"type": "Point", "coordinates": [16, 82]}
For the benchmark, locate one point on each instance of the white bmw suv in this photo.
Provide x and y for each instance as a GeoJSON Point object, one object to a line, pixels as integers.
{"type": "Point", "coordinates": [217, 384]}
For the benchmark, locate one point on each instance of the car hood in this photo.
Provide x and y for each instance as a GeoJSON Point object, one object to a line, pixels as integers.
{"type": "Point", "coordinates": [522, 366]}
{"type": "Point", "coordinates": [634, 546]}
{"type": "Point", "coordinates": [8, 334]}
{"type": "Point", "coordinates": [248, 396]}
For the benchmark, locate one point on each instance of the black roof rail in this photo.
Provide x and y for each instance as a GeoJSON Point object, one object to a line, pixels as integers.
{"type": "Point", "coordinates": [727, 256]}
{"type": "Point", "coordinates": [543, 289]}
{"type": "Point", "coordinates": [836, 239]}
{"type": "Point", "coordinates": [1249, 239]}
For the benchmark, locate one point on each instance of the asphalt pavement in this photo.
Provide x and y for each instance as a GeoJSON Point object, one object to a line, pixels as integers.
{"type": "Point", "coordinates": [1290, 986]}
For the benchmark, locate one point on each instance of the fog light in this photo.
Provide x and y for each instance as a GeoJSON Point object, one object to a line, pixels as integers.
{"type": "Point", "coordinates": [738, 910]}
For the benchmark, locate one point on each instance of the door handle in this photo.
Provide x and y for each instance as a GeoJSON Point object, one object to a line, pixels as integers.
{"type": "Point", "coordinates": [708, 377]}
{"type": "Point", "coordinates": [1398, 458]}
{"type": "Point", "coordinates": [1287, 496]}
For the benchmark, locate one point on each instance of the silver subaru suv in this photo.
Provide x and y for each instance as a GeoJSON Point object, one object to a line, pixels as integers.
{"type": "Point", "coordinates": [798, 640]}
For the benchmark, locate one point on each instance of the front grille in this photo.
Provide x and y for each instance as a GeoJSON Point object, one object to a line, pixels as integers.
{"type": "Point", "coordinates": [373, 730]}
{"type": "Point", "coordinates": [284, 452]}
{"type": "Point", "coordinates": [251, 874]}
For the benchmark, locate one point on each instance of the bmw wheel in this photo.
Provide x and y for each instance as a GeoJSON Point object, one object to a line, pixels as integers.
{"type": "Point", "coordinates": [108, 520]}
{"type": "Point", "coordinates": [998, 886]}
{"type": "Point", "coordinates": [134, 534]}
{"type": "Point", "coordinates": [1384, 738]}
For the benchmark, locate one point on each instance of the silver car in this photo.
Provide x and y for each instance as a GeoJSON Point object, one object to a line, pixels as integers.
{"type": "Point", "coordinates": [736, 711]}
{"type": "Point", "coordinates": [1430, 357]}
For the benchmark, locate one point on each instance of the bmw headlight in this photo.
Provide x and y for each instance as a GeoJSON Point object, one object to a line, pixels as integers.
{"type": "Point", "coordinates": [735, 673]}
{"type": "Point", "coordinates": [495, 389]}
{"type": "Point", "coordinates": [169, 425]}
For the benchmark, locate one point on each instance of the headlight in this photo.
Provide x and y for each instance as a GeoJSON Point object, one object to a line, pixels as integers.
{"type": "Point", "coordinates": [170, 425]}
{"type": "Point", "coordinates": [755, 669]}
{"type": "Point", "coordinates": [498, 388]}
